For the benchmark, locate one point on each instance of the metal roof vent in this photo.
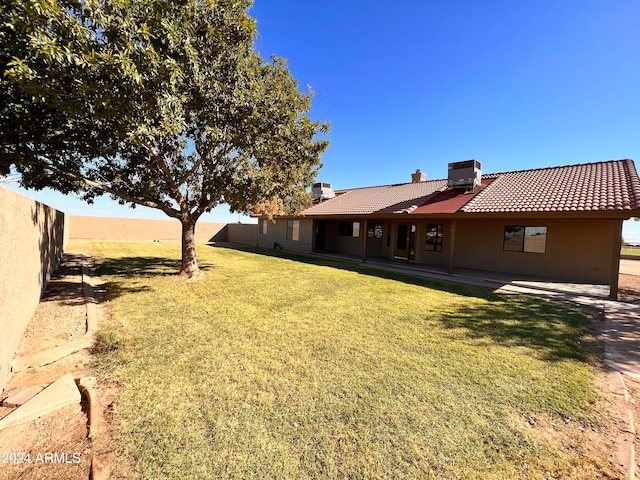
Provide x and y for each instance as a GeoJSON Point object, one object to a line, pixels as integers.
{"type": "Point", "coordinates": [321, 192]}
{"type": "Point", "coordinates": [465, 174]}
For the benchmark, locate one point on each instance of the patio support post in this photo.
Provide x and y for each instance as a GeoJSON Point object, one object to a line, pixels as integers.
{"type": "Point", "coordinates": [452, 246]}
{"type": "Point", "coordinates": [615, 260]}
{"type": "Point", "coordinates": [364, 240]}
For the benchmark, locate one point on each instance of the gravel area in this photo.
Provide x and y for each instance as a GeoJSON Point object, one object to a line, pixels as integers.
{"type": "Point", "coordinates": [629, 288]}
{"type": "Point", "coordinates": [61, 314]}
{"type": "Point", "coordinates": [55, 446]}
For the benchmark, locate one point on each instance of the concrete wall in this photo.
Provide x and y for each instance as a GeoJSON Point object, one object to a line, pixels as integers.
{"type": "Point", "coordinates": [32, 240]}
{"type": "Point", "coordinates": [137, 230]}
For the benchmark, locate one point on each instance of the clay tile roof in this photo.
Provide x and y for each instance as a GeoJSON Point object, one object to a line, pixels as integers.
{"type": "Point", "coordinates": [451, 200]}
{"type": "Point", "coordinates": [602, 186]}
{"type": "Point", "coordinates": [401, 198]}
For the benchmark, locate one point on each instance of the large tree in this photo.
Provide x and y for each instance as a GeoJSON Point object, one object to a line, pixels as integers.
{"type": "Point", "coordinates": [159, 103]}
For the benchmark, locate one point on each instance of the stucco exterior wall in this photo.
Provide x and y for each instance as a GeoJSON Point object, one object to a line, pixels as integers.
{"type": "Point", "coordinates": [32, 241]}
{"type": "Point", "coordinates": [579, 250]}
{"type": "Point", "coordinates": [137, 230]}
{"type": "Point", "coordinates": [243, 233]}
{"type": "Point", "coordinates": [277, 232]}
{"type": "Point", "coordinates": [432, 257]}
{"type": "Point", "coordinates": [575, 249]}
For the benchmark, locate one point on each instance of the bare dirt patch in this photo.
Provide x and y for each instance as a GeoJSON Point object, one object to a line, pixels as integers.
{"type": "Point", "coordinates": [629, 288]}
{"type": "Point", "coordinates": [633, 388]}
{"type": "Point", "coordinates": [55, 446]}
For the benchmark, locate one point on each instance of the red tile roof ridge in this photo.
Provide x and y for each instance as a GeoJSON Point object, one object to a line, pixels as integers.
{"type": "Point", "coordinates": [576, 187]}
{"type": "Point", "coordinates": [345, 190]}
{"type": "Point", "coordinates": [557, 167]}
{"type": "Point", "coordinates": [490, 175]}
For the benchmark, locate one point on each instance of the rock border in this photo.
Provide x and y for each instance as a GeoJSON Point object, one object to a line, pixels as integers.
{"type": "Point", "coordinates": [83, 386]}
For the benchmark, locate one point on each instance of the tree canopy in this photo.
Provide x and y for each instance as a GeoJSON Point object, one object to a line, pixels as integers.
{"type": "Point", "coordinates": [160, 103]}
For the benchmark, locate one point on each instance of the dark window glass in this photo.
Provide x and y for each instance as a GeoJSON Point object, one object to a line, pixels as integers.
{"type": "Point", "coordinates": [349, 229]}
{"type": "Point", "coordinates": [403, 234]}
{"type": "Point", "coordinates": [434, 237]}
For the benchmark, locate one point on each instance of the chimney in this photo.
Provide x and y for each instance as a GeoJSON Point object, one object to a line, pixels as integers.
{"type": "Point", "coordinates": [418, 176]}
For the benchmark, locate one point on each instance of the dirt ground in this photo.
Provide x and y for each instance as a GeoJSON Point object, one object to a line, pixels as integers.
{"type": "Point", "coordinates": [55, 446]}
{"type": "Point", "coordinates": [633, 387]}
{"type": "Point", "coordinates": [629, 289]}
{"type": "Point", "coordinates": [28, 450]}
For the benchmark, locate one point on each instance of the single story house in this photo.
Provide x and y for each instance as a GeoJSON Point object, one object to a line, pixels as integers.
{"type": "Point", "coordinates": [561, 222]}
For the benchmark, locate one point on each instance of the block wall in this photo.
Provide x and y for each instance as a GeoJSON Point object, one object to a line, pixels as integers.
{"type": "Point", "coordinates": [32, 240]}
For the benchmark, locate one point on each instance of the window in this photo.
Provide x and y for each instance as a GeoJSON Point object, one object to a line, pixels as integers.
{"type": "Point", "coordinates": [293, 230]}
{"type": "Point", "coordinates": [349, 229]}
{"type": "Point", "coordinates": [434, 237]}
{"type": "Point", "coordinates": [262, 226]}
{"type": "Point", "coordinates": [525, 239]}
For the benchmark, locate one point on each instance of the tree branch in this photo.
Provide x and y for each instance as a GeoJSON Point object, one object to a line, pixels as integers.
{"type": "Point", "coordinates": [192, 171]}
{"type": "Point", "coordinates": [227, 148]}
{"type": "Point", "coordinates": [119, 193]}
{"type": "Point", "coordinates": [175, 189]}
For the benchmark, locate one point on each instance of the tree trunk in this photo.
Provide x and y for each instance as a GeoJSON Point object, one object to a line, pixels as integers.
{"type": "Point", "coordinates": [189, 266]}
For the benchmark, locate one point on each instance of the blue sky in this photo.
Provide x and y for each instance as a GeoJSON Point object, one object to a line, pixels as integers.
{"type": "Point", "coordinates": [419, 84]}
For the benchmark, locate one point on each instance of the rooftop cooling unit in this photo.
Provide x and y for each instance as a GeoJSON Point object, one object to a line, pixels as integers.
{"type": "Point", "coordinates": [466, 174]}
{"type": "Point", "coordinates": [321, 191]}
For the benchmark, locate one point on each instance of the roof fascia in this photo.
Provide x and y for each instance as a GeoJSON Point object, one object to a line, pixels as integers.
{"type": "Point", "coordinates": [603, 214]}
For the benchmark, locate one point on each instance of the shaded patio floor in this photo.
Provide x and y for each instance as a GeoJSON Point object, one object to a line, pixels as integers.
{"type": "Point", "coordinates": [484, 278]}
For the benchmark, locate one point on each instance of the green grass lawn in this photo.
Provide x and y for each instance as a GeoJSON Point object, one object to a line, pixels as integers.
{"type": "Point", "coordinates": [277, 366]}
{"type": "Point", "coordinates": [630, 251]}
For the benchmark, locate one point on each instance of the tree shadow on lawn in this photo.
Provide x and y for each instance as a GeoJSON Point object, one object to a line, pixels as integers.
{"type": "Point", "coordinates": [521, 321]}
{"type": "Point", "coordinates": [131, 268]}
{"type": "Point", "coordinates": [442, 285]}
{"type": "Point", "coordinates": [142, 266]}
{"type": "Point", "coordinates": [557, 332]}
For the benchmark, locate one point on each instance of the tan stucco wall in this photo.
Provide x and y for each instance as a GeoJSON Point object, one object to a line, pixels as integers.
{"type": "Point", "coordinates": [32, 240]}
{"type": "Point", "coordinates": [432, 257]}
{"type": "Point", "coordinates": [137, 230]}
{"type": "Point", "coordinates": [575, 249]}
{"type": "Point", "coordinates": [243, 233]}
{"type": "Point", "coordinates": [277, 232]}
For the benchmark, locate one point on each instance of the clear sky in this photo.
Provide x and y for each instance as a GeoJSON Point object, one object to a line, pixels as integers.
{"type": "Point", "coordinates": [418, 84]}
